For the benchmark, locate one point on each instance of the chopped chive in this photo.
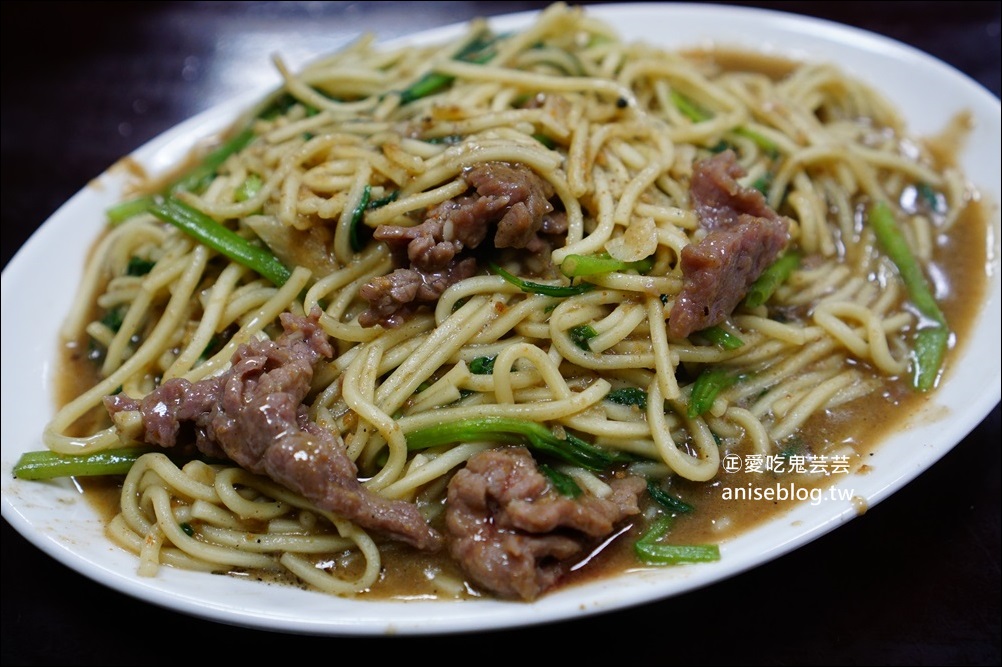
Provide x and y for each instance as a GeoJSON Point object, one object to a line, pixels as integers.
{"type": "Point", "coordinates": [721, 337]}
{"type": "Point", "coordinates": [250, 187]}
{"type": "Point", "coordinates": [932, 338]}
{"type": "Point", "coordinates": [570, 449]}
{"type": "Point", "coordinates": [562, 482]}
{"type": "Point", "coordinates": [478, 51]}
{"type": "Point", "coordinates": [649, 550]}
{"type": "Point", "coordinates": [581, 334]}
{"type": "Point", "coordinates": [707, 386]}
{"type": "Point", "coordinates": [138, 266]}
{"type": "Point", "coordinates": [222, 239]}
{"type": "Point", "coordinates": [667, 500]}
{"type": "Point", "coordinates": [774, 275]}
{"type": "Point", "coordinates": [575, 266]}
{"type": "Point", "coordinates": [540, 288]}
{"type": "Point", "coordinates": [482, 365]}
{"type": "Point", "coordinates": [355, 236]}
{"type": "Point", "coordinates": [628, 396]}
{"type": "Point", "coordinates": [47, 464]}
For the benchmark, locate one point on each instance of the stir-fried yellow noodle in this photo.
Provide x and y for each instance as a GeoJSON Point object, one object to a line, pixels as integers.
{"type": "Point", "coordinates": [572, 322]}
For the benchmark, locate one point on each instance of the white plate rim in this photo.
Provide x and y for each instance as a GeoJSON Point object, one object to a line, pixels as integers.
{"type": "Point", "coordinates": [63, 526]}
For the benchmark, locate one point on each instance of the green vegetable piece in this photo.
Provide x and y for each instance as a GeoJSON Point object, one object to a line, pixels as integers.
{"type": "Point", "coordinates": [540, 288]}
{"type": "Point", "coordinates": [355, 238]}
{"type": "Point", "coordinates": [697, 114]}
{"type": "Point", "coordinates": [482, 365]}
{"type": "Point", "coordinates": [138, 266]}
{"type": "Point", "coordinates": [893, 242]}
{"type": "Point", "coordinates": [721, 337]}
{"type": "Point", "coordinates": [665, 554]}
{"type": "Point", "coordinates": [708, 385]}
{"type": "Point", "coordinates": [122, 211]}
{"type": "Point", "coordinates": [774, 275]}
{"type": "Point", "coordinates": [933, 336]}
{"type": "Point", "coordinates": [477, 51]}
{"type": "Point", "coordinates": [429, 84]}
{"type": "Point", "coordinates": [933, 199]}
{"type": "Point", "coordinates": [545, 140]}
{"type": "Point", "coordinates": [667, 500]}
{"type": "Point", "coordinates": [510, 430]}
{"type": "Point", "coordinates": [562, 482]}
{"type": "Point", "coordinates": [222, 239]}
{"type": "Point", "coordinates": [383, 201]}
{"type": "Point", "coordinates": [763, 183]}
{"type": "Point", "coordinates": [760, 140]}
{"type": "Point", "coordinates": [113, 318]}
{"type": "Point", "coordinates": [447, 140]}
{"type": "Point", "coordinates": [628, 396]}
{"type": "Point", "coordinates": [281, 104]}
{"type": "Point", "coordinates": [358, 233]}
{"type": "Point", "coordinates": [576, 266]}
{"type": "Point", "coordinates": [689, 108]}
{"type": "Point", "coordinates": [931, 344]}
{"type": "Point", "coordinates": [198, 178]}
{"type": "Point", "coordinates": [649, 550]}
{"type": "Point", "coordinates": [47, 464]}
{"type": "Point", "coordinates": [721, 146]}
{"type": "Point", "coordinates": [581, 334]}
{"type": "Point", "coordinates": [250, 187]}
{"type": "Point", "coordinates": [195, 180]}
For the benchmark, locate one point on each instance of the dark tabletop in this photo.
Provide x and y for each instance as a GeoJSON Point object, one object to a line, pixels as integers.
{"type": "Point", "coordinates": [916, 580]}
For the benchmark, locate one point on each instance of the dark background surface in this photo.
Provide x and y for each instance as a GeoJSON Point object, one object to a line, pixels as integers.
{"type": "Point", "coordinates": [915, 581]}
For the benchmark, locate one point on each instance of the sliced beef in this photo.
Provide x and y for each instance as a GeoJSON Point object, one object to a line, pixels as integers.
{"type": "Point", "coordinates": [394, 296]}
{"type": "Point", "coordinates": [743, 237]}
{"type": "Point", "coordinates": [522, 195]}
{"type": "Point", "coordinates": [510, 199]}
{"type": "Point", "coordinates": [514, 534]}
{"type": "Point", "coordinates": [253, 414]}
{"type": "Point", "coordinates": [423, 246]}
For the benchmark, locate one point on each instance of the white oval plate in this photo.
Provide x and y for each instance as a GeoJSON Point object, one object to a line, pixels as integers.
{"type": "Point", "coordinates": [56, 519]}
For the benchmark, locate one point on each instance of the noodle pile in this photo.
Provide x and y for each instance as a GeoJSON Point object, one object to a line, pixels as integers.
{"type": "Point", "coordinates": [615, 129]}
